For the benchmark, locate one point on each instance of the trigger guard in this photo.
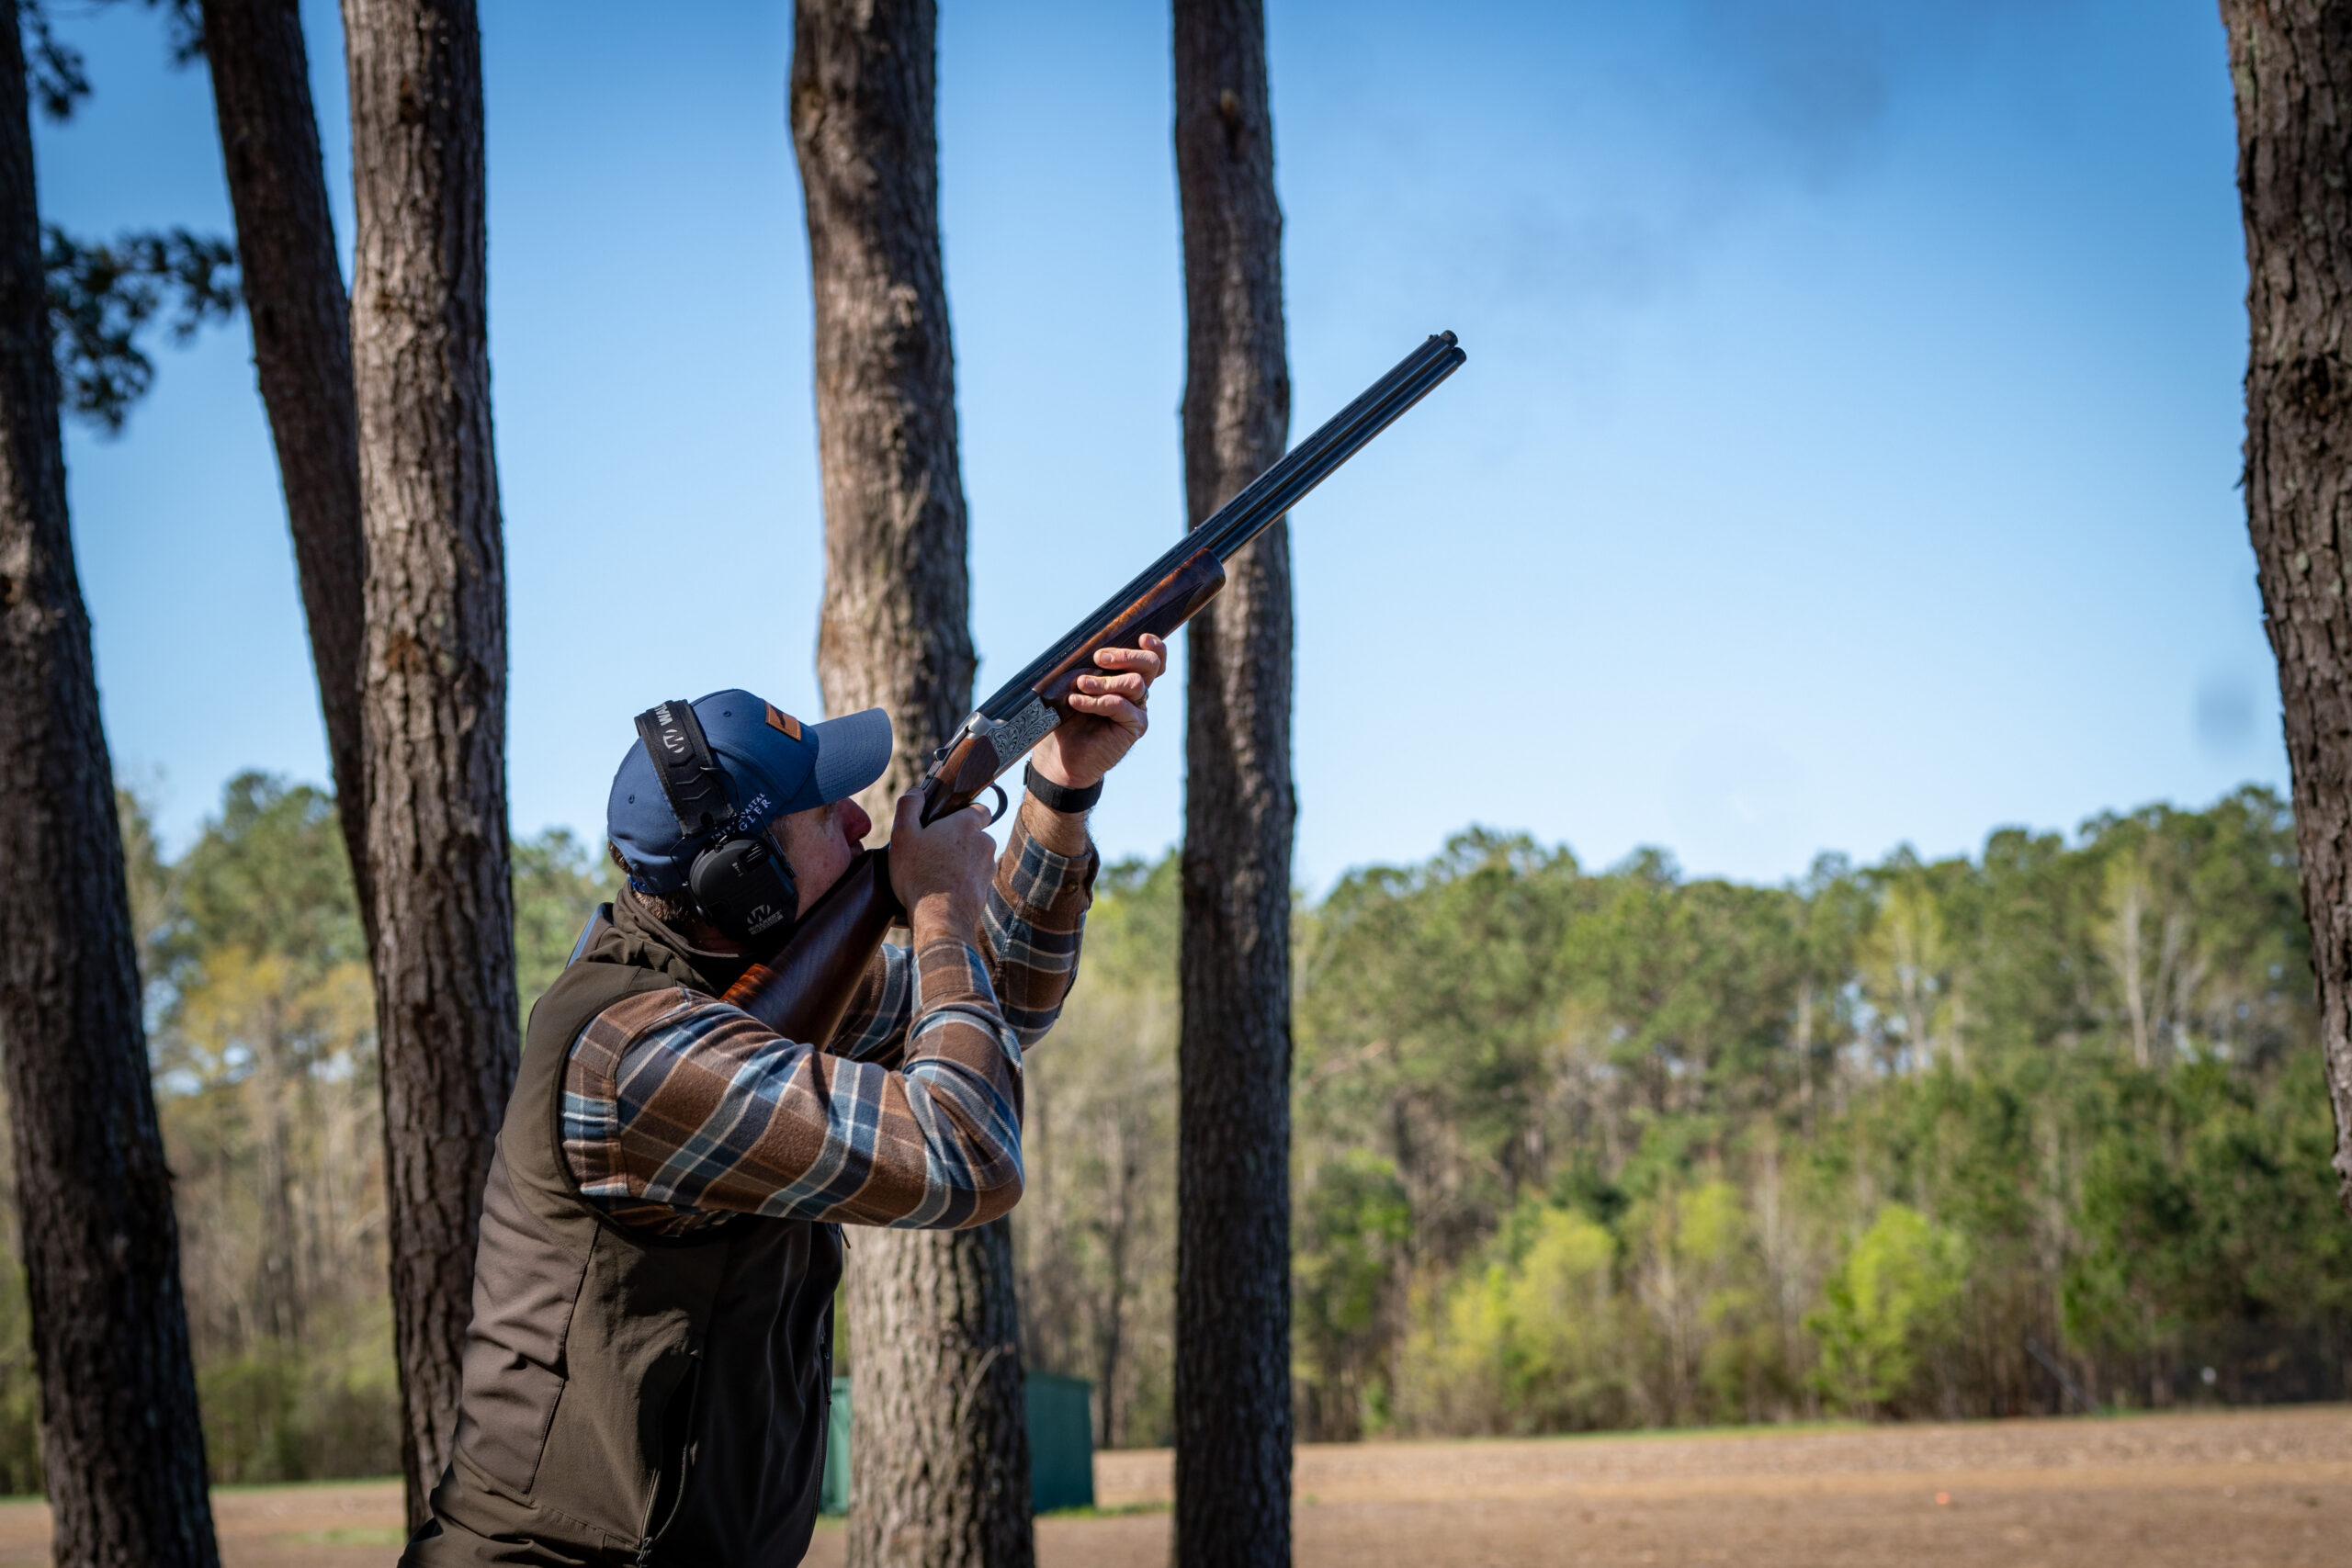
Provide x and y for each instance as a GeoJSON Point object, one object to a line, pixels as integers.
{"type": "Point", "coordinates": [1003, 802]}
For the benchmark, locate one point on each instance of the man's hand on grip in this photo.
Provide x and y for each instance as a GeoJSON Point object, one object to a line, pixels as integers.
{"type": "Point", "coordinates": [941, 872]}
{"type": "Point", "coordinates": [1106, 715]}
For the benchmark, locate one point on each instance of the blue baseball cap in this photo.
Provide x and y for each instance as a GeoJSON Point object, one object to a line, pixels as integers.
{"type": "Point", "coordinates": [775, 764]}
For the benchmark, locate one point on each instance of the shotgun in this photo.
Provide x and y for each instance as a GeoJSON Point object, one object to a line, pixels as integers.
{"type": "Point", "coordinates": [802, 992]}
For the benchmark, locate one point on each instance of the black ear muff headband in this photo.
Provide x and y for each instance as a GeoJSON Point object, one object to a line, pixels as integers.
{"type": "Point", "coordinates": [739, 881]}
{"type": "Point", "coordinates": [691, 778]}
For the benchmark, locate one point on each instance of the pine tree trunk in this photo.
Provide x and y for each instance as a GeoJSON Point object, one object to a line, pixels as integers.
{"type": "Point", "coordinates": [1116, 1235]}
{"type": "Point", "coordinates": [2291, 62]}
{"type": "Point", "coordinates": [1233, 1392]}
{"type": "Point", "coordinates": [895, 632]}
{"type": "Point", "coordinates": [120, 1437]}
{"type": "Point", "coordinates": [939, 1459]}
{"type": "Point", "coordinates": [939, 1465]}
{"type": "Point", "coordinates": [302, 325]}
{"type": "Point", "coordinates": [434, 710]}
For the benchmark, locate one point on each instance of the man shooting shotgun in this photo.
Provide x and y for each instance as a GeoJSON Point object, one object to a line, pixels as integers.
{"type": "Point", "coordinates": [734, 1066]}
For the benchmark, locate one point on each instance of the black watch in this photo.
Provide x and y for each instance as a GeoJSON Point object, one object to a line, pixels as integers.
{"type": "Point", "coordinates": [1058, 798]}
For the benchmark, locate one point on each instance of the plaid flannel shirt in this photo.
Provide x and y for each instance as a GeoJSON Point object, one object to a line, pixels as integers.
{"type": "Point", "coordinates": [680, 1109]}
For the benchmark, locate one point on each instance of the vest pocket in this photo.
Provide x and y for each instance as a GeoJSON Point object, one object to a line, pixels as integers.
{"type": "Point", "coordinates": [504, 1428]}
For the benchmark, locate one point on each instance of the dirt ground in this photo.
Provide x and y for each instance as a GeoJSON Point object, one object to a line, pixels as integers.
{"type": "Point", "coordinates": [2244, 1490]}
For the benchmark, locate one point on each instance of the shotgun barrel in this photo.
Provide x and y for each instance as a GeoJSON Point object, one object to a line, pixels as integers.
{"type": "Point", "coordinates": [802, 992]}
{"type": "Point", "coordinates": [1256, 506]}
{"type": "Point", "coordinates": [1172, 590]}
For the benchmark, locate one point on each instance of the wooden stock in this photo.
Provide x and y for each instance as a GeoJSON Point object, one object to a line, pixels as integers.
{"type": "Point", "coordinates": [802, 992]}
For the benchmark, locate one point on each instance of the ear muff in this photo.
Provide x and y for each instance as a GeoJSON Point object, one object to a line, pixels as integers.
{"type": "Point", "coordinates": [744, 887]}
{"type": "Point", "coordinates": [739, 882]}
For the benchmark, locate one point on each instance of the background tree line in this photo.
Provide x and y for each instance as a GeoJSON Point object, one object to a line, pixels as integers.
{"type": "Point", "coordinates": [1992, 1135]}
{"type": "Point", "coordinates": [1983, 1136]}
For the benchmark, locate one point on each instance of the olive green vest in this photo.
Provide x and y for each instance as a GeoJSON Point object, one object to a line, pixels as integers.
{"type": "Point", "coordinates": [629, 1399]}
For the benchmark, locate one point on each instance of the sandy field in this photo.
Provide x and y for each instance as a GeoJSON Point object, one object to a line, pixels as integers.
{"type": "Point", "coordinates": [2244, 1490]}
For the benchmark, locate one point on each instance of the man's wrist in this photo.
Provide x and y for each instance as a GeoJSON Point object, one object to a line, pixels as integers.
{"type": "Point", "coordinates": [939, 917]}
{"type": "Point", "coordinates": [1062, 832]}
{"type": "Point", "coordinates": [1056, 796]}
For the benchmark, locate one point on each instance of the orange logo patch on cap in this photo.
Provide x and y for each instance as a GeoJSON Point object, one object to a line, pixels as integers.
{"type": "Point", "coordinates": [779, 719]}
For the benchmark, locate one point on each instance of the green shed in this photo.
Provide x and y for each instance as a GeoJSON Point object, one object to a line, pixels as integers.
{"type": "Point", "coordinates": [1061, 1445]}
{"type": "Point", "coordinates": [833, 1498]}
{"type": "Point", "coordinates": [1061, 1442]}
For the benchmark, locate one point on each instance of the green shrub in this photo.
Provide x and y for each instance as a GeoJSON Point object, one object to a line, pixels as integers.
{"type": "Point", "coordinates": [1890, 1302]}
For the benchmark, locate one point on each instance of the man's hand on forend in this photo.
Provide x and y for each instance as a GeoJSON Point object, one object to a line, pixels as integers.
{"type": "Point", "coordinates": [1107, 715]}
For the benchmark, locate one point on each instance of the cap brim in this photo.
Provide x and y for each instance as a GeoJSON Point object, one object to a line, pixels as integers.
{"type": "Point", "coordinates": [851, 752]}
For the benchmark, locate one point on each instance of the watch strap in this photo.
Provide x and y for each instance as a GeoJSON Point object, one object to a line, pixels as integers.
{"type": "Point", "coordinates": [1059, 797]}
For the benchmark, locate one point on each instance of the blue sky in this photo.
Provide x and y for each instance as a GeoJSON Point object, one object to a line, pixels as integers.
{"type": "Point", "coordinates": [1845, 455]}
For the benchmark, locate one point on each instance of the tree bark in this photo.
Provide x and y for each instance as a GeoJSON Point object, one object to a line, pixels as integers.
{"type": "Point", "coordinates": [433, 709]}
{"type": "Point", "coordinates": [2291, 63]}
{"type": "Point", "coordinates": [940, 1454]}
{"type": "Point", "coordinates": [939, 1450]}
{"type": "Point", "coordinates": [895, 631]}
{"type": "Point", "coordinates": [1232, 1389]}
{"type": "Point", "coordinates": [120, 1435]}
{"type": "Point", "coordinates": [1126, 1134]}
{"type": "Point", "coordinates": [302, 325]}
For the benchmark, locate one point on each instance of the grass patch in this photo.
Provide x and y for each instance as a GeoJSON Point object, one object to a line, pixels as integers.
{"type": "Point", "coordinates": [1117, 1511]}
{"type": "Point", "coordinates": [354, 1535]}
{"type": "Point", "coordinates": [318, 1484]}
